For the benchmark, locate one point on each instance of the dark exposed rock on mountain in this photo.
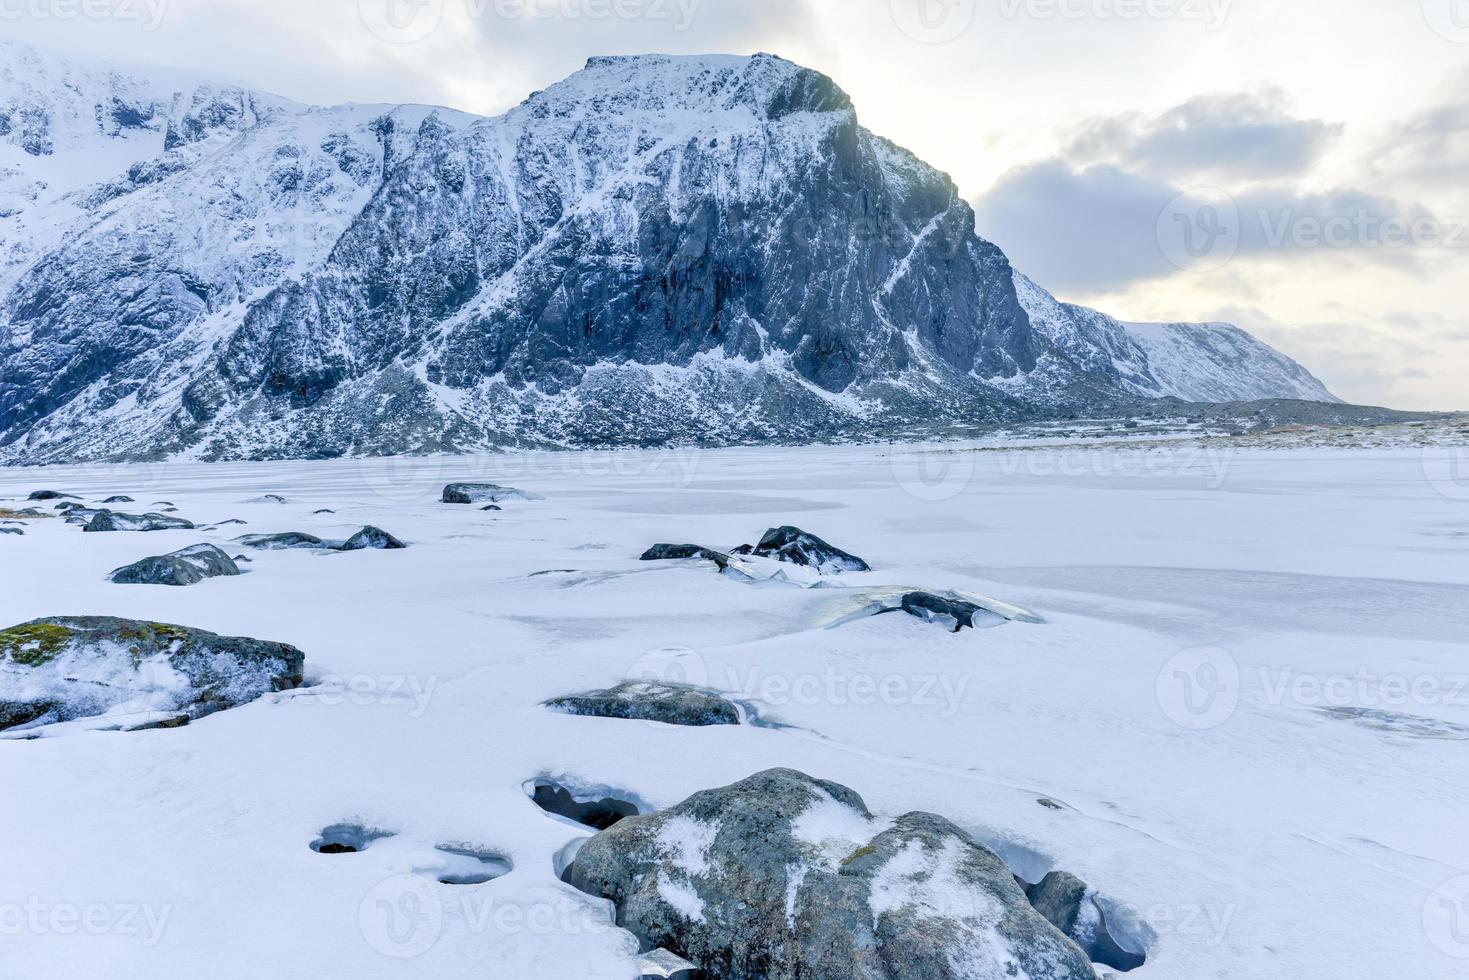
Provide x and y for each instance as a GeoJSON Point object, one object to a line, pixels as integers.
{"type": "Point", "coordinates": [670, 704]}
{"type": "Point", "coordinates": [783, 876]}
{"type": "Point", "coordinates": [655, 250]}
{"type": "Point", "coordinates": [68, 668]}
{"type": "Point", "coordinates": [185, 567]}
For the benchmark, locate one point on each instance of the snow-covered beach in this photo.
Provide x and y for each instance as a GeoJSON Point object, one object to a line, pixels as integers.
{"type": "Point", "coordinates": [1246, 704]}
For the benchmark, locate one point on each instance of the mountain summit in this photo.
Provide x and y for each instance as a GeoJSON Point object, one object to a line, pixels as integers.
{"type": "Point", "coordinates": [657, 249]}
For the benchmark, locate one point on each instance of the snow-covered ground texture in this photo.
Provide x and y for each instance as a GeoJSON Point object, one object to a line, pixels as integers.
{"type": "Point", "coordinates": [654, 250]}
{"type": "Point", "coordinates": [1236, 706]}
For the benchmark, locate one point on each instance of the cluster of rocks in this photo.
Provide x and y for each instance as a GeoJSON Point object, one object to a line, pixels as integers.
{"type": "Point", "coordinates": [783, 876]}
{"type": "Point", "coordinates": [150, 674]}
{"type": "Point", "coordinates": [792, 545]}
{"type": "Point", "coordinates": [789, 545]}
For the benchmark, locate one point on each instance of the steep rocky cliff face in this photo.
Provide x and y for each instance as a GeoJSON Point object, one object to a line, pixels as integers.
{"type": "Point", "coordinates": [656, 249]}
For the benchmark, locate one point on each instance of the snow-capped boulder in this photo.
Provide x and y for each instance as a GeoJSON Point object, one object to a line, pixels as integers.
{"type": "Point", "coordinates": [371, 539]}
{"type": "Point", "coordinates": [107, 520]}
{"type": "Point", "coordinates": [670, 704]}
{"type": "Point", "coordinates": [69, 668]}
{"type": "Point", "coordinates": [281, 542]}
{"type": "Point", "coordinates": [783, 876]}
{"type": "Point", "coordinates": [187, 566]}
{"type": "Point", "coordinates": [798, 547]}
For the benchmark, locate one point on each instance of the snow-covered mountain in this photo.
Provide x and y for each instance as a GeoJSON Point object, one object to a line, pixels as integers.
{"type": "Point", "coordinates": [655, 249]}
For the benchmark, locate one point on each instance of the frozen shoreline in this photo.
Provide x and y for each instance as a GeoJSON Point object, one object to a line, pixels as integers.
{"type": "Point", "coordinates": [1296, 825]}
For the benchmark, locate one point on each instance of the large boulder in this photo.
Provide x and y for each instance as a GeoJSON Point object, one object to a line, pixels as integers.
{"type": "Point", "coordinates": [185, 567]}
{"type": "Point", "coordinates": [107, 520]}
{"type": "Point", "coordinates": [798, 547]}
{"type": "Point", "coordinates": [120, 499]}
{"type": "Point", "coordinates": [69, 668]}
{"type": "Point", "coordinates": [671, 704]}
{"type": "Point", "coordinates": [50, 495]}
{"type": "Point", "coordinates": [786, 877]}
{"type": "Point", "coordinates": [483, 493]}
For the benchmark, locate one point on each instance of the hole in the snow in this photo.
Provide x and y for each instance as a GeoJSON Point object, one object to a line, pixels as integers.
{"type": "Point", "coordinates": [561, 863]}
{"type": "Point", "coordinates": [465, 866]}
{"type": "Point", "coordinates": [1108, 934]}
{"type": "Point", "coordinates": [592, 810]}
{"type": "Point", "coordinates": [346, 838]}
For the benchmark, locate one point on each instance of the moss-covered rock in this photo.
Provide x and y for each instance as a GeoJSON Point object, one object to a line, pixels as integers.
{"type": "Point", "coordinates": [68, 668]}
{"type": "Point", "coordinates": [33, 644]}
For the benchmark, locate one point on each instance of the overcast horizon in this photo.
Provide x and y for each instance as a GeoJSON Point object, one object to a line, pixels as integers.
{"type": "Point", "coordinates": [1289, 170]}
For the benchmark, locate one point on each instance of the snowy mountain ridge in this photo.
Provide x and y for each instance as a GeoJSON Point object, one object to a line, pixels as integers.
{"type": "Point", "coordinates": [657, 249]}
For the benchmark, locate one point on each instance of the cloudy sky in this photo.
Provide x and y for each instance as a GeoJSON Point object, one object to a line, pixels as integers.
{"type": "Point", "coordinates": [1297, 168]}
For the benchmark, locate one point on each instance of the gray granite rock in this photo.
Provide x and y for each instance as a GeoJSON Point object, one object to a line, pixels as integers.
{"type": "Point", "coordinates": [67, 668]}
{"type": "Point", "coordinates": [107, 520]}
{"type": "Point", "coordinates": [187, 566]}
{"type": "Point", "coordinates": [483, 493]}
{"type": "Point", "coordinates": [786, 877]}
{"type": "Point", "coordinates": [671, 704]}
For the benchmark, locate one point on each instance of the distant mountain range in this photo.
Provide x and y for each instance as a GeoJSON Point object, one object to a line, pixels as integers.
{"type": "Point", "coordinates": [654, 250]}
